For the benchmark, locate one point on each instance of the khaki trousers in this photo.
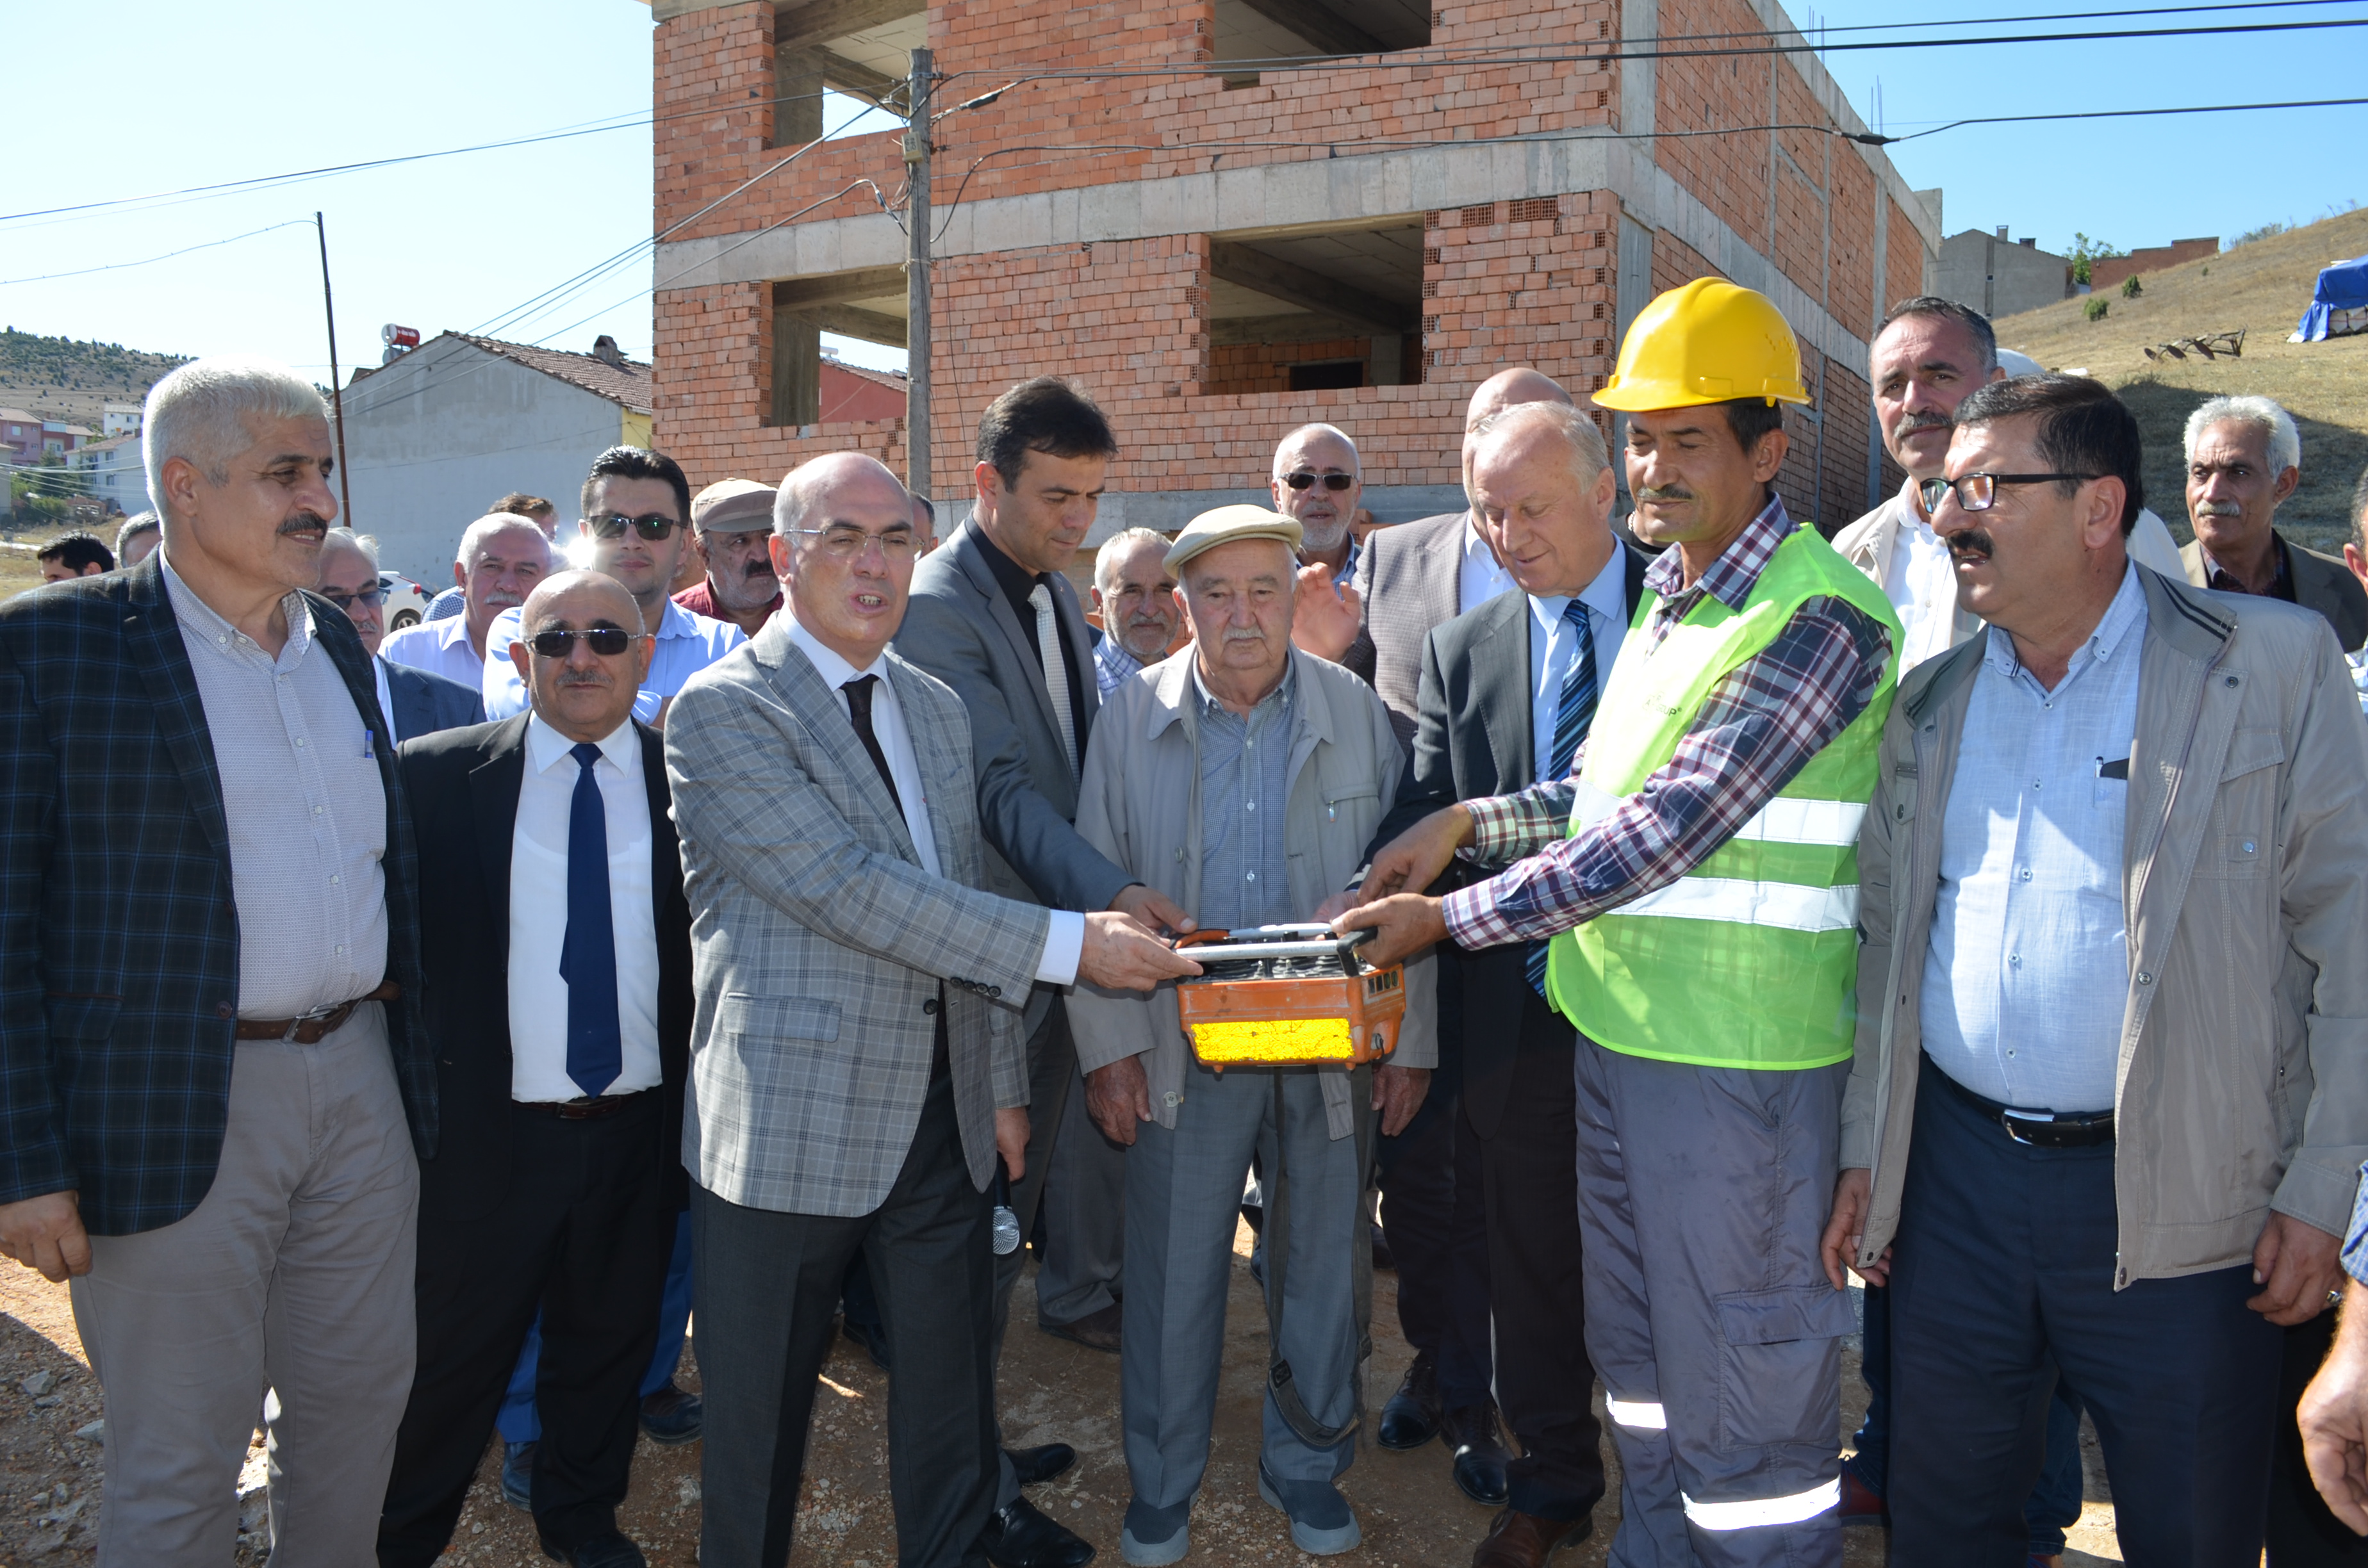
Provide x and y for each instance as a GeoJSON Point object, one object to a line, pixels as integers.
{"type": "Point", "coordinates": [294, 1274]}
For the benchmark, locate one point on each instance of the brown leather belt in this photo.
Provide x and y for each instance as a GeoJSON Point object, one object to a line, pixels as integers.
{"type": "Point", "coordinates": [591, 1110]}
{"type": "Point", "coordinates": [316, 1026]}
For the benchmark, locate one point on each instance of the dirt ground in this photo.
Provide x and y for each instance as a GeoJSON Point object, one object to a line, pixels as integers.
{"type": "Point", "coordinates": [1412, 1515]}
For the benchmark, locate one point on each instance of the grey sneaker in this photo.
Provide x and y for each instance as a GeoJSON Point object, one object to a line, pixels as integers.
{"type": "Point", "coordinates": [1321, 1522]}
{"type": "Point", "coordinates": [1153, 1537]}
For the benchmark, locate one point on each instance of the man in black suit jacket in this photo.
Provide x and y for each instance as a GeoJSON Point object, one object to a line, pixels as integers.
{"type": "Point", "coordinates": [560, 1002]}
{"type": "Point", "coordinates": [1492, 698]}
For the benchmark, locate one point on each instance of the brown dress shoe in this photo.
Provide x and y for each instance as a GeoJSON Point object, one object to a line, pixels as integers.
{"type": "Point", "coordinates": [1524, 1541]}
{"type": "Point", "coordinates": [1095, 1331]}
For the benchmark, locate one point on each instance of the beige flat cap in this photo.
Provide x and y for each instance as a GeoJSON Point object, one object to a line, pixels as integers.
{"type": "Point", "coordinates": [1228, 523]}
{"type": "Point", "coordinates": [733, 506]}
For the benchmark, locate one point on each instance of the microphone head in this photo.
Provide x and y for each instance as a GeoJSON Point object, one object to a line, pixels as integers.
{"type": "Point", "coordinates": [1007, 1230]}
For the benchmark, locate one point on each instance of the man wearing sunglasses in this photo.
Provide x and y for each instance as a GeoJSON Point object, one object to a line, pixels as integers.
{"type": "Point", "coordinates": [558, 984]}
{"type": "Point", "coordinates": [414, 702]}
{"type": "Point", "coordinates": [2107, 1094]}
{"type": "Point", "coordinates": [636, 529]}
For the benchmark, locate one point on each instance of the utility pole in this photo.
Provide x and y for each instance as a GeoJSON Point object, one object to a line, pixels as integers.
{"type": "Point", "coordinates": [337, 394]}
{"type": "Point", "coordinates": [917, 274]}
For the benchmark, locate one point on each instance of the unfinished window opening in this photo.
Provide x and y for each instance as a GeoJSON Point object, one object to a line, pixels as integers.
{"type": "Point", "coordinates": [1315, 306]}
{"type": "Point", "coordinates": [1271, 32]}
{"type": "Point", "coordinates": [864, 47]}
{"type": "Point", "coordinates": [807, 386]}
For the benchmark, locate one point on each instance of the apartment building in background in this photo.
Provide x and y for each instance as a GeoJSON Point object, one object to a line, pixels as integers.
{"type": "Point", "coordinates": [1221, 237]}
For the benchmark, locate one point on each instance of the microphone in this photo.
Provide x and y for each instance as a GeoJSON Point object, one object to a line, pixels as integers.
{"type": "Point", "coordinates": [1006, 1223]}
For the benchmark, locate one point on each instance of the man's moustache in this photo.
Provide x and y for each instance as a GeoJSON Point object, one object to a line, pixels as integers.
{"type": "Point", "coordinates": [1973, 544]}
{"type": "Point", "coordinates": [1665, 493]}
{"type": "Point", "coordinates": [303, 522]}
{"type": "Point", "coordinates": [2219, 509]}
{"type": "Point", "coordinates": [1914, 422]}
{"type": "Point", "coordinates": [760, 567]}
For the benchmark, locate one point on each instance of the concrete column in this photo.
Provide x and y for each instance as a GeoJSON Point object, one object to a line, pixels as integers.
{"type": "Point", "coordinates": [797, 90]}
{"type": "Point", "coordinates": [797, 369]}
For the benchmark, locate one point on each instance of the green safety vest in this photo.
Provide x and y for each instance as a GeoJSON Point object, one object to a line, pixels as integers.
{"type": "Point", "coordinates": [1750, 960]}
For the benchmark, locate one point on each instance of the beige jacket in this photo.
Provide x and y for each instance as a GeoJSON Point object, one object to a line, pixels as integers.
{"type": "Point", "coordinates": [2243, 1081]}
{"type": "Point", "coordinates": [1140, 804]}
{"type": "Point", "coordinates": [1868, 543]}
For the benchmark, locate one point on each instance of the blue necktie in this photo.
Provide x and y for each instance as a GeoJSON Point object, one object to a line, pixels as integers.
{"type": "Point", "coordinates": [1573, 713]}
{"type": "Point", "coordinates": [587, 955]}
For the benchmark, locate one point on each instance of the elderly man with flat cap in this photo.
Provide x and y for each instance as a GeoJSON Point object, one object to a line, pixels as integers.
{"type": "Point", "coordinates": [1242, 779]}
{"type": "Point", "coordinates": [730, 521]}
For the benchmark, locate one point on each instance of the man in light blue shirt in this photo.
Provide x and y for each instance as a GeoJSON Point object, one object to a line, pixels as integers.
{"type": "Point", "coordinates": [635, 527]}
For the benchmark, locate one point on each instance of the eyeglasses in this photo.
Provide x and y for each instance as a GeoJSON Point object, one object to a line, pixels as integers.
{"type": "Point", "coordinates": [654, 526]}
{"type": "Point", "coordinates": [1332, 481]}
{"type": "Point", "coordinates": [846, 543]}
{"type": "Point", "coordinates": [369, 598]}
{"type": "Point", "coordinates": [605, 641]}
{"type": "Point", "coordinates": [1978, 492]}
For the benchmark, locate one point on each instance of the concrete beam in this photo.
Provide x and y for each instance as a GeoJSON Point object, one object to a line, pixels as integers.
{"type": "Point", "coordinates": [853, 75]}
{"type": "Point", "coordinates": [864, 283]}
{"type": "Point", "coordinates": [1297, 285]}
{"type": "Point", "coordinates": [817, 21]}
{"type": "Point", "coordinates": [848, 321]}
{"type": "Point", "coordinates": [1319, 25]}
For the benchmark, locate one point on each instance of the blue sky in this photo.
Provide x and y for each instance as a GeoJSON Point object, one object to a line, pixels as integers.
{"type": "Point", "coordinates": [113, 98]}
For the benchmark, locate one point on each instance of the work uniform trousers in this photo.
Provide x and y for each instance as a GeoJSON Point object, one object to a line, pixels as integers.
{"type": "Point", "coordinates": [1184, 1193]}
{"type": "Point", "coordinates": [2001, 1272]}
{"type": "Point", "coordinates": [581, 1235]}
{"type": "Point", "coordinates": [1536, 1280]}
{"type": "Point", "coordinates": [766, 1292]}
{"type": "Point", "coordinates": [293, 1273]}
{"type": "Point", "coordinates": [1702, 1195]}
{"type": "Point", "coordinates": [1051, 1068]}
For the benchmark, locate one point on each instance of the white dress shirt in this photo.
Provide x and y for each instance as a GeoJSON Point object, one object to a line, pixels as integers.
{"type": "Point", "coordinates": [538, 996]}
{"type": "Point", "coordinates": [2027, 973]}
{"type": "Point", "coordinates": [1553, 648]}
{"type": "Point", "coordinates": [386, 700]}
{"type": "Point", "coordinates": [1065, 942]}
{"type": "Point", "coordinates": [686, 644]}
{"type": "Point", "coordinates": [1478, 578]}
{"type": "Point", "coordinates": [1921, 585]}
{"type": "Point", "coordinates": [441, 648]}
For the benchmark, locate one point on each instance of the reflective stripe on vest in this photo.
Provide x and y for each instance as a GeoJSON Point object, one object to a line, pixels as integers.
{"type": "Point", "coordinates": [1785, 906]}
{"type": "Point", "coordinates": [1782, 821]}
{"type": "Point", "coordinates": [1743, 1515]}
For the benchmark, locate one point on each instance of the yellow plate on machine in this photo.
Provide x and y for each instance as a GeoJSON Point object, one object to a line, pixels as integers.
{"type": "Point", "coordinates": [1253, 1041]}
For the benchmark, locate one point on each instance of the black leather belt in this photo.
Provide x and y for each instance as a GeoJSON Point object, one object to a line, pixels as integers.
{"type": "Point", "coordinates": [591, 1110]}
{"type": "Point", "coordinates": [2062, 1129]}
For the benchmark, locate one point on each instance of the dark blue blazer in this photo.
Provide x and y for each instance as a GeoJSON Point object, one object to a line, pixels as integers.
{"type": "Point", "coordinates": [425, 702]}
{"type": "Point", "coordinates": [118, 935]}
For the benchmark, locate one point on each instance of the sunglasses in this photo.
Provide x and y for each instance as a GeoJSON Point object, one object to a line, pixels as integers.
{"type": "Point", "coordinates": [369, 598]}
{"type": "Point", "coordinates": [605, 641]}
{"type": "Point", "coordinates": [653, 526]}
{"type": "Point", "coordinates": [1332, 481]}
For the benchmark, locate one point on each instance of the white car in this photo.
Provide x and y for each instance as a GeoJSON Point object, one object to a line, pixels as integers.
{"type": "Point", "coordinates": [404, 602]}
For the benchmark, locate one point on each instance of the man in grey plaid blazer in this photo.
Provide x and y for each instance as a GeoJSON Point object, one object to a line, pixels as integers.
{"type": "Point", "coordinates": [856, 1058]}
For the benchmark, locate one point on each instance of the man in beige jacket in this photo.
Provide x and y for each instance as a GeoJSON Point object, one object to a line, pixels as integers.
{"type": "Point", "coordinates": [1242, 778]}
{"type": "Point", "coordinates": [2111, 1095]}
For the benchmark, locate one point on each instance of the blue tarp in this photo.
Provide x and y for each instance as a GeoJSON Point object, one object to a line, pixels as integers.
{"type": "Point", "coordinates": [2343, 287]}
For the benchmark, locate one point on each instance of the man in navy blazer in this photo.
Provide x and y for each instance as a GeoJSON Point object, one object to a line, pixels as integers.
{"type": "Point", "coordinates": [415, 702]}
{"type": "Point", "coordinates": [213, 1073]}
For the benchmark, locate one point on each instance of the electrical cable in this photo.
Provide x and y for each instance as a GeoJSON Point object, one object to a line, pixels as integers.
{"type": "Point", "coordinates": [184, 250]}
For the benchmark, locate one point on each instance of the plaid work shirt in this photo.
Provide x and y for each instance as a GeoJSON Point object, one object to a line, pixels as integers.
{"type": "Point", "coordinates": [1758, 728]}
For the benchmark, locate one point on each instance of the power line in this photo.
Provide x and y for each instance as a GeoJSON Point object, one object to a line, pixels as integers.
{"type": "Point", "coordinates": [184, 250]}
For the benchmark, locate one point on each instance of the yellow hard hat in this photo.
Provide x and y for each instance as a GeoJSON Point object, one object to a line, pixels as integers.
{"type": "Point", "coordinates": [1708, 341]}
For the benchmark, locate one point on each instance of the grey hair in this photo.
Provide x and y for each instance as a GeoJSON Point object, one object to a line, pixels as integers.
{"type": "Point", "coordinates": [2285, 441]}
{"type": "Point", "coordinates": [1356, 462]}
{"type": "Point", "coordinates": [1574, 427]}
{"type": "Point", "coordinates": [134, 527]}
{"type": "Point", "coordinates": [199, 413]}
{"type": "Point", "coordinates": [492, 523]}
{"type": "Point", "coordinates": [1114, 549]}
{"type": "Point", "coordinates": [364, 545]}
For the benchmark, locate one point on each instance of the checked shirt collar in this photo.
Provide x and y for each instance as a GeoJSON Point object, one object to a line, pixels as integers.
{"type": "Point", "coordinates": [1730, 577]}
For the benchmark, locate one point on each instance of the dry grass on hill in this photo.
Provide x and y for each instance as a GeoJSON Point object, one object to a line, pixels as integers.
{"type": "Point", "coordinates": [2264, 288]}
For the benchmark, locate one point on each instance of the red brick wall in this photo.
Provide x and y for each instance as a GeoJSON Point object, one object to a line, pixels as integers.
{"type": "Point", "coordinates": [2109, 272]}
{"type": "Point", "coordinates": [1531, 283]}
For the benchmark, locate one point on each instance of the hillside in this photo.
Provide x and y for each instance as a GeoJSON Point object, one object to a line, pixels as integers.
{"type": "Point", "coordinates": [2264, 288]}
{"type": "Point", "coordinates": [59, 378]}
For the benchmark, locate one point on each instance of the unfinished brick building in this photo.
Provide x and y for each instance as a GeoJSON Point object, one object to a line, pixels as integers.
{"type": "Point", "coordinates": [1219, 254]}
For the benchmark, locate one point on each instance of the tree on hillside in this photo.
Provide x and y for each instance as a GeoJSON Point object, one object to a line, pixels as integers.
{"type": "Point", "coordinates": [2086, 250]}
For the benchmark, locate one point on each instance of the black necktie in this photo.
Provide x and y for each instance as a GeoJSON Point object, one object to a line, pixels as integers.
{"type": "Point", "coordinates": [859, 713]}
{"type": "Point", "coordinates": [588, 953]}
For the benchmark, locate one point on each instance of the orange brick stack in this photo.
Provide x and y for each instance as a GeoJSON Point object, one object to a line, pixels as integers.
{"type": "Point", "coordinates": [1531, 282]}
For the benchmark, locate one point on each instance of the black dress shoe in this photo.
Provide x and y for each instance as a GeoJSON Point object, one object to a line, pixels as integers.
{"type": "Point", "coordinates": [1411, 1417]}
{"type": "Point", "coordinates": [1022, 1536]}
{"type": "Point", "coordinates": [1480, 1457]}
{"type": "Point", "coordinates": [612, 1549]}
{"type": "Point", "coordinates": [1038, 1465]}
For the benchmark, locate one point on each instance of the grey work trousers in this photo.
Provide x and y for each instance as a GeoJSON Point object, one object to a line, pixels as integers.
{"type": "Point", "coordinates": [1051, 1068]}
{"type": "Point", "coordinates": [1184, 1195]}
{"type": "Point", "coordinates": [294, 1274]}
{"type": "Point", "coordinates": [1085, 1220]}
{"type": "Point", "coordinates": [1702, 1194]}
